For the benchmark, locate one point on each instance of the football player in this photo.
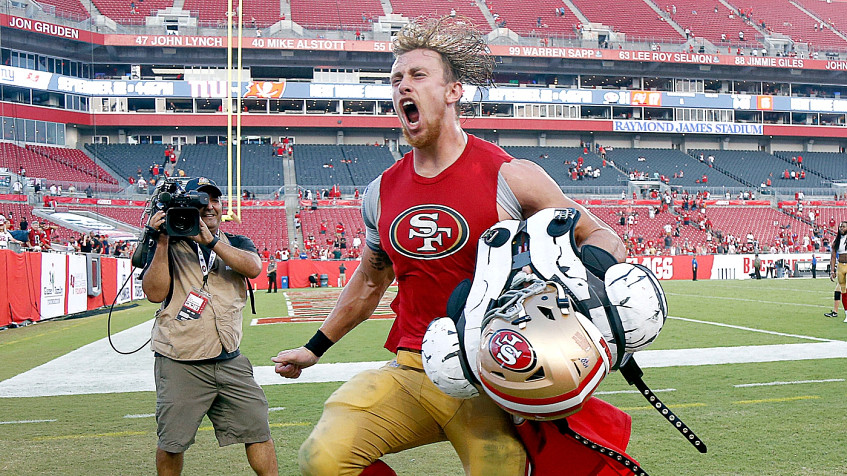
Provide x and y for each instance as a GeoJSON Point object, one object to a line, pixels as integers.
{"type": "Point", "coordinates": [838, 270]}
{"type": "Point", "coordinates": [424, 216]}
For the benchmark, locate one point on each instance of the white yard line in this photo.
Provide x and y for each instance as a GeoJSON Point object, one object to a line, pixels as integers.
{"type": "Point", "coordinates": [141, 415]}
{"type": "Point", "coordinates": [19, 422]}
{"type": "Point", "coordinates": [96, 368]}
{"type": "Point", "coordinates": [751, 329]}
{"type": "Point", "coordinates": [795, 382]}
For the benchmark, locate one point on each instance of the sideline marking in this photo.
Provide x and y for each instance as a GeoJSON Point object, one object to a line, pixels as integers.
{"type": "Point", "coordinates": [787, 383]}
{"type": "Point", "coordinates": [772, 400]}
{"type": "Point", "coordinates": [275, 409]}
{"type": "Point", "coordinates": [141, 415]}
{"type": "Point", "coordinates": [24, 421]}
{"type": "Point", "coordinates": [618, 392]}
{"type": "Point", "coordinates": [751, 329]}
{"type": "Point", "coordinates": [46, 332]}
{"type": "Point", "coordinates": [648, 407]}
{"type": "Point", "coordinates": [288, 303]}
{"type": "Point", "coordinates": [701, 296]}
{"type": "Point", "coordinates": [80, 436]}
{"type": "Point", "coordinates": [93, 435]}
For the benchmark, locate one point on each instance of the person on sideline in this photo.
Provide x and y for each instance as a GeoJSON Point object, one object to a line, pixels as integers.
{"type": "Point", "coordinates": [201, 282]}
{"type": "Point", "coordinates": [838, 270]}
{"type": "Point", "coordinates": [271, 271]}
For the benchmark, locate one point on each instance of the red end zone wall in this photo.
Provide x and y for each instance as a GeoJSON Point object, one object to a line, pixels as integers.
{"type": "Point", "coordinates": [665, 267]}
{"type": "Point", "coordinates": [299, 270]}
{"type": "Point", "coordinates": [717, 266]}
{"type": "Point", "coordinates": [40, 286]}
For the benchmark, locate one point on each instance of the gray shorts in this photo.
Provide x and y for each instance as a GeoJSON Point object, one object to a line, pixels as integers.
{"type": "Point", "coordinates": [224, 390]}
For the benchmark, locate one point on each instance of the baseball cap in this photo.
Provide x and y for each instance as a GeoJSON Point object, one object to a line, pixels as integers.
{"type": "Point", "coordinates": [203, 184]}
{"type": "Point", "coordinates": [2, 218]}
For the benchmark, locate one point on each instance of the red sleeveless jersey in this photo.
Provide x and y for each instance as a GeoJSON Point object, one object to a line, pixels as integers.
{"type": "Point", "coordinates": [429, 227]}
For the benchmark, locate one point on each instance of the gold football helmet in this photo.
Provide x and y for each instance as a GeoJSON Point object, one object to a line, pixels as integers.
{"type": "Point", "coordinates": [539, 358]}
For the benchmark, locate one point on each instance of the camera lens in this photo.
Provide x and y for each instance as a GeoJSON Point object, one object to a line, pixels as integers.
{"type": "Point", "coordinates": [182, 221]}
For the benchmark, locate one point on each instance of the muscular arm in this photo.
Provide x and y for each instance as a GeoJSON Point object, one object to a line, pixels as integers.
{"type": "Point", "coordinates": [361, 295]}
{"type": "Point", "coordinates": [535, 191]}
{"type": "Point", "coordinates": [833, 259]}
{"type": "Point", "coordinates": [356, 304]}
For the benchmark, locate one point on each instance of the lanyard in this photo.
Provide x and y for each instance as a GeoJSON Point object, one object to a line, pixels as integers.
{"type": "Point", "coordinates": [203, 267]}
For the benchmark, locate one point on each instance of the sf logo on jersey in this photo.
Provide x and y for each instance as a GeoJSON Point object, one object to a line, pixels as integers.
{"type": "Point", "coordinates": [429, 232]}
{"type": "Point", "coordinates": [511, 350]}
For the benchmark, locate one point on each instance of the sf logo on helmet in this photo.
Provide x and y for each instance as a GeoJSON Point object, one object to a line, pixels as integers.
{"type": "Point", "coordinates": [511, 350]}
{"type": "Point", "coordinates": [428, 232]}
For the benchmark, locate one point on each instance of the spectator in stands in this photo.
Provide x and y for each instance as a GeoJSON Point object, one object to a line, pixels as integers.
{"type": "Point", "coordinates": [5, 236]}
{"type": "Point", "coordinates": [40, 237]}
{"type": "Point", "coordinates": [200, 371]}
{"type": "Point", "coordinates": [17, 187]}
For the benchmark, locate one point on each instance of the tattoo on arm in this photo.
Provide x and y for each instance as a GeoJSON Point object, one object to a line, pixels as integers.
{"type": "Point", "coordinates": [380, 260]}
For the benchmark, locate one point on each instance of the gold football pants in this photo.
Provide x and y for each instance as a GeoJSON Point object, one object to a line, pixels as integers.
{"type": "Point", "coordinates": [396, 408]}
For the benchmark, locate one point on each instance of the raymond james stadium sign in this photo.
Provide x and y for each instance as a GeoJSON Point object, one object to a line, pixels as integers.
{"type": "Point", "coordinates": [690, 127]}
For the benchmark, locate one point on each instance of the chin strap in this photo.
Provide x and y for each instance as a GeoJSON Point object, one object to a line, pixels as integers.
{"type": "Point", "coordinates": [633, 373]}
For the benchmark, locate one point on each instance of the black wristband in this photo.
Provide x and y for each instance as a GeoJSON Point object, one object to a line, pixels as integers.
{"type": "Point", "coordinates": [212, 243]}
{"type": "Point", "coordinates": [319, 343]}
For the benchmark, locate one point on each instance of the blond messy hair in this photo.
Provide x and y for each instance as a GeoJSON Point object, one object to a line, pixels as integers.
{"type": "Point", "coordinates": [460, 44]}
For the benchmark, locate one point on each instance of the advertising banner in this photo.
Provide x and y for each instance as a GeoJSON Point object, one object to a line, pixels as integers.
{"type": "Point", "coordinates": [53, 267]}
{"type": "Point", "coordinates": [124, 271]}
{"type": "Point", "coordinates": [137, 292]}
{"type": "Point", "coordinates": [77, 284]}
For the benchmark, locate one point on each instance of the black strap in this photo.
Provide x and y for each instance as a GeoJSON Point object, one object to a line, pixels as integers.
{"type": "Point", "coordinates": [633, 373]}
{"type": "Point", "coordinates": [252, 299]}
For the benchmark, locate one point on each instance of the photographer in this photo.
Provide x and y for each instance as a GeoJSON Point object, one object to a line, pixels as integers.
{"type": "Point", "coordinates": [201, 282]}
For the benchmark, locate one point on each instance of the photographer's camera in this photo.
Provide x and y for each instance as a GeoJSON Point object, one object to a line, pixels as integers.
{"type": "Point", "coordinates": [181, 201]}
{"type": "Point", "coordinates": [182, 210]}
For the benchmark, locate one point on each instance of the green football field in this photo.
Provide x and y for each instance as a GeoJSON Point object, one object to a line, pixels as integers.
{"type": "Point", "coordinates": [783, 411]}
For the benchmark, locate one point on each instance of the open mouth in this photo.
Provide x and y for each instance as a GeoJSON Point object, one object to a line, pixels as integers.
{"type": "Point", "coordinates": [410, 109]}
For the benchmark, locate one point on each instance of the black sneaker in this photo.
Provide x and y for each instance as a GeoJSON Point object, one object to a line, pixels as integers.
{"type": "Point", "coordinates": [831, 314]}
